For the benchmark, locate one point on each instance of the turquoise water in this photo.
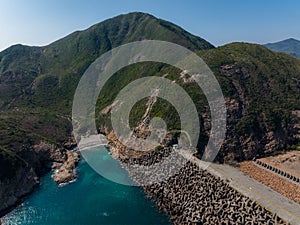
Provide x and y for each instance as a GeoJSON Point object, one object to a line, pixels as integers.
{"type": "Point", "coordinates": [92, 199]}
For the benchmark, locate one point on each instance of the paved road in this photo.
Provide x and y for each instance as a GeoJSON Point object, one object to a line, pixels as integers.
{"type": "Point", "coordinates": [263, 195]}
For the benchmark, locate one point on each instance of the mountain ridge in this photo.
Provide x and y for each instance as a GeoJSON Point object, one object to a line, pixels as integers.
{"type": "Point", "coordinates": [37, 85]}
{"type": "Point", "coordinates": [289, 46]}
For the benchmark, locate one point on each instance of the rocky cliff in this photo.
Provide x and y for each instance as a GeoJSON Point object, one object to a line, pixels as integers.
{"type": "Point", "coordinates": [37, 86]}
{"type": "Point", "coordinates": [36, 160]}
{"type": "Point", "coordinates": [12, 190]}
{"type": "Point", "coordinates": [249, 135]}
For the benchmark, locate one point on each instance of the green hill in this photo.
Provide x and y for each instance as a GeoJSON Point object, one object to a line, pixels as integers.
{"type": "Point", "coordinates": [37, 84]}
{"type": "Point", "coordinates": [266, 91]}
{"type": "Point", "coordinates": [261, 90]}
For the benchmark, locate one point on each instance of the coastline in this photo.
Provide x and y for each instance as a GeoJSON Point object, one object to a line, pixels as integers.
{"type": "Point", "coordinates": [48, 158]}
{"type": "Point", "coordinates": [188, 196]}
{"type": "Point", "coordinates": [16, 189]}
{"type": "Point", "coordinates": [98, 200]}
{"type": "Point", "coordinates": [193, 195]}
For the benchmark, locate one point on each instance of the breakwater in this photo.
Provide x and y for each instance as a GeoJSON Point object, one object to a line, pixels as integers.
{"type": "Point", "coordinates": [193, 196]}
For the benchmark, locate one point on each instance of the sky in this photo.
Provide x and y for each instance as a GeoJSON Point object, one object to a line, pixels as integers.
{"type": "Point", "coordinates": [40, 22]}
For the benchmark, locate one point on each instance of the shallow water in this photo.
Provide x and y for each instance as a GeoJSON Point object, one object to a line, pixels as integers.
{"type": "Point", "coordinates": [92, 199]}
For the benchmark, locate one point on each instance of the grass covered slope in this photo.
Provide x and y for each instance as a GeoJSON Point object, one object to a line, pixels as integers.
{"type": "Point", "coordinates": [261, 90]}
{"type": "Point", "coordinates": [37, 84]}
{"type": "Point", "coordinates": [49, 75]}
{"type": "Point", "coordinates": [265, 86]}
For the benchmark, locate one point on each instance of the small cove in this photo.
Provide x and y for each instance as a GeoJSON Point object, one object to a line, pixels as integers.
{"type": "Point", "coordinates": [92, 199]}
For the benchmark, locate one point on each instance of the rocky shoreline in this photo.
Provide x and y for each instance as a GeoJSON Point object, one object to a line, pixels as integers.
{"type": "Point", "coordinates": [194, 196]}
{"type": "Point", "coordinates": [13, 190]}
{"type": "Point", "coordinates": [191, 195]}
{"type": "Point", "coordinates": [66, 172]}
{"type": "Point", "coordinates": [40, 159]}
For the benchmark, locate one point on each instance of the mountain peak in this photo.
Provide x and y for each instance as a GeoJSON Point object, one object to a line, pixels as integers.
{"type": "Point", "coordinates": [292, 39]}
{"type": "Point", "coordinates": [140, 25]}
{"type": "Point", "coordinates": [289, 46]}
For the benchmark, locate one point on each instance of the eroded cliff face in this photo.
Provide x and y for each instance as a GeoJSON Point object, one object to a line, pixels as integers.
{"type": "Point", "coordinates": [12, 190]}
{"type": "Point", "coordinates": [249, 132]}
{"type": "Point", "coordinates": [240, 145]}
{"type": "Point", "coordinates": [256, 125]}
{"type": "Point", "coordinates": [36, 161]}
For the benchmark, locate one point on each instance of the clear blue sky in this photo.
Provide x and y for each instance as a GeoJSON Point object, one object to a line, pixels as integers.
{"type": "Point", "coordinates": [40, 22]}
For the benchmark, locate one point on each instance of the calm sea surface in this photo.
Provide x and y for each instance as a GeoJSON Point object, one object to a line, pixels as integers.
{"type": "Point", "coordinates": [92, 199]}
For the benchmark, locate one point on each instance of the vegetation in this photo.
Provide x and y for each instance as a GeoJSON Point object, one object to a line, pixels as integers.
{"type": "Point", "coordinates": [9, 164]}
{"type": "Point", "coordinates": [268, 81]}
{"type": "Point", "coordinates": [37, 84]}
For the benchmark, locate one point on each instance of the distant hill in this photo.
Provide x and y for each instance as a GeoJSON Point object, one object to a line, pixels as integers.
{"type": "Point", "coordinates": [289, 46]}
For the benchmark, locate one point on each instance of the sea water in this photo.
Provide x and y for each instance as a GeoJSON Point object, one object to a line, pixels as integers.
{"type": "Point", "coordinates": [92, 199]}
